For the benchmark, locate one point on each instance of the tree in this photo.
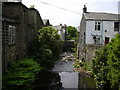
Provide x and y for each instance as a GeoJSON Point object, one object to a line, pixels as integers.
{"type": "Point", "coordinates": [72, 33]}
{"type": "Point", "coordinates": [46, 47]}
{"type": "Point", "coordinates": [106, 65]}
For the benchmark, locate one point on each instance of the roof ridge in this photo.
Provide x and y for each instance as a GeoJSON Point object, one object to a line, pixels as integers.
{"type": "Point", "coordinates": [101, 16]}
{"type": "Point", "coordinates": [102, 13]}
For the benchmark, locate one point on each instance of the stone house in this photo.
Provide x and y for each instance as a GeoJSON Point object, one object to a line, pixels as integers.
{"type": "Point", "coordinates": [35, 23]}
{"type": "Point", "coordinates": [16, 28]}
{"type": "Point", "coordinates": [96, 29]}
{"type": "Point", "coordinates": [61, 31]}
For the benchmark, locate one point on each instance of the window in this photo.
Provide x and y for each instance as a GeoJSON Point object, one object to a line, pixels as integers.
{"type": "Point", "coordinates": [97, 25]}
{"type": "Point", "coordinates": [97, 39]}
{"type": "Point", "coordinates": [116, 26]}
{"type": "Point", "coordinates": [23, 16]}
{"type": "Point", "coordinates": [11, 34]}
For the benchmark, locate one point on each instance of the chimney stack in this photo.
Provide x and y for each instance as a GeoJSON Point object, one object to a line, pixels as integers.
{"type": "Point", "coordinates": [84, 9]}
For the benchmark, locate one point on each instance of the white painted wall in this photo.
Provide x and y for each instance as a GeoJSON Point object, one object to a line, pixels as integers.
{"type": "Point", "coordinates": [105, 25]}
{"type": "Point", "coordinates": [90, 30]}
{"type": "Point", "coordinates": [109, 26]}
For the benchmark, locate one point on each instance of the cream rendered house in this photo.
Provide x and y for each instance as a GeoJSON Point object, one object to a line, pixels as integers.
{"type": "Point", "coordinates": [97, 28]}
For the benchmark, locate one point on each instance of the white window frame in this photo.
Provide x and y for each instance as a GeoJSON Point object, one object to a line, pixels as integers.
{"type": "Point", "coordinates": [97, 25]}
{"type": "Point", "coordinates": [11, 34]}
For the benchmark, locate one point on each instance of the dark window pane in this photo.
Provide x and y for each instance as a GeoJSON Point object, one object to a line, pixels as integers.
{"type": "Point", "coordinates": [98, 27]}
{"type": "Point", "coordinates": [116, 26]}
{"type": "Point", "coordinates": [95, 27]}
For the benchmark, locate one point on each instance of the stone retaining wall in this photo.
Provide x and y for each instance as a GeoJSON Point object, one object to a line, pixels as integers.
{"type": "Point", "coordinates": [89, 52]}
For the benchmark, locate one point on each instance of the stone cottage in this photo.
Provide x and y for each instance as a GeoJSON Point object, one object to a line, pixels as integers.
{"type": "Point", "coordinates": [35, 23]}
{"type": "Point", "coordinates": [16, 28]}
{"type": "Point", "coordinates": [96, 29]}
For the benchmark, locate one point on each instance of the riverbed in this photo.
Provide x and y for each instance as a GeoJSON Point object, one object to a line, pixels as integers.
{"type": "Point", "coordinates": [63, 76]}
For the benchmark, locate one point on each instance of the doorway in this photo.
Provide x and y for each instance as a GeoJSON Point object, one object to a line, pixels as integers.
{"type": "Point", "coordinates": [107, 40]}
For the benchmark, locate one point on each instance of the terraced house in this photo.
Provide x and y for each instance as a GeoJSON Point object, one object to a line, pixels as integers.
{"type": "Point", "coordinates": [96, 29]}
{"type": "Point", "coordinates": [19, 27]}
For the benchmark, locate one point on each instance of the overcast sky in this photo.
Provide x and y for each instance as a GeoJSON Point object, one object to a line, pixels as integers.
{"type": "Point", "coordinates": [70, 11]}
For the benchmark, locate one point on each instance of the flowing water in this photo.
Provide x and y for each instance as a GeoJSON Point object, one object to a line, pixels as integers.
{"type": "Point", "coordinates": [63, 77]}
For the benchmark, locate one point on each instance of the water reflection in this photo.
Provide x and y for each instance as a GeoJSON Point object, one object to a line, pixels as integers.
{"type": "Point", "coordinates": [63, 81]}
{"type": "Point", "coordinates": [56, 81]}
{"type": "Point", "coordinates": [86, 83]}
{"type": "Point", "coordinates": [69, 79]}
{"type": "Point", "coordinates": [48, 81]}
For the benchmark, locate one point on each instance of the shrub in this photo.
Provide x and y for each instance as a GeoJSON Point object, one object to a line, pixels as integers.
{"type": "Point", "coordinates": [106, 65]}
{"type": "Point", "coordinates": [20, 75]}
{"type": "Point", "coordinates": [78, 64]}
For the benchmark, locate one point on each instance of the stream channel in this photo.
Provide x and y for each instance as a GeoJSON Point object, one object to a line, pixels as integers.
{"type": "Point", "coordinates": [63, 77]}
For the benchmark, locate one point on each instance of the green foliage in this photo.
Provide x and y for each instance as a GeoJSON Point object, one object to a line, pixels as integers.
{"type": "Point", "coordinates": [114, 62]}
{"type": "Point", "coordinates": [73, 50]}
{"type": "Point", "coordinates": [70, 46]}
{"type": "Point", "coordinates": [46, 47]}
{"type": "Point", "coordinates": [20, 74]}
{"type": "Point", "coordinates": [72, 33]}
{"type": "Point", "coordinates": [87, 66]}
{"type": "Point", "coordinates": [106, 65]}
{"type": "Point", "coordinates": [78, 64]}
{"type": "Point", "coordinates": [32, 6]}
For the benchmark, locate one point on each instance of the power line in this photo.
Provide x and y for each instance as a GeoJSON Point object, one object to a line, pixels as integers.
{"type": "Point", "coordinates": [58, 7]}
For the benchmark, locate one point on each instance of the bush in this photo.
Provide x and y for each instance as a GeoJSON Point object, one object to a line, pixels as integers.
{"type": "Point", "coordinates": [88, 66]}
{"type": "Point", "coordinates": [106, 65]}
{"type": "Point", "coordinates": [20, 75]}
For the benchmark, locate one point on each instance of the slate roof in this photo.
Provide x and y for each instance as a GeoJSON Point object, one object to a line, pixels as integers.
{"type": "Point", "coordinates": [57, 27]}
{"type": "Point", "coordinates": [100, 16]}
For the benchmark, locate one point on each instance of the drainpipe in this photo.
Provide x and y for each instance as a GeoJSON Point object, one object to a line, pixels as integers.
{"type": "Point", "coordinates": [0, 45]}
{"type": "Point", "coordinates": [102, 33]}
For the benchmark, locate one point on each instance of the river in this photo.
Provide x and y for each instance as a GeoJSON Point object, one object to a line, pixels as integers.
{"type": "Point", "coordinates": [63, 77]}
